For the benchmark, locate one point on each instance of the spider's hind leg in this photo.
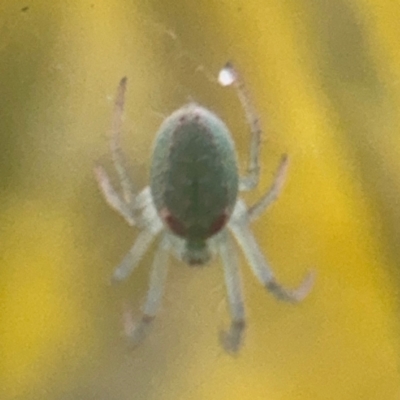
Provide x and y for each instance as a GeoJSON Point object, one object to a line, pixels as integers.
{"type": "Point", "coordinates": [229, 75]}
{"type": "Point", "coordinates": [273, 192]}
{"type": "Point", "coordinates": [111, 196]}
{"type": "Point", "coordinates": [115, 147]}
{"type": "Point", "coordinates": [125, 205]}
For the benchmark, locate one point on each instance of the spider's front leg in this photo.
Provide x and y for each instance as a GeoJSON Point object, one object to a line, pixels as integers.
{"type": "Point", "coordinates": [137, 332]}
{"type": "Point", "coordinates": [239, 225]}
{"type": "Point", "coordinates": [231, 340]}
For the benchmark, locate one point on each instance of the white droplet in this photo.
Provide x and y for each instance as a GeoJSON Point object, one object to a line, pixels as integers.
{"type": "Point", "coordinates": [226, 76]}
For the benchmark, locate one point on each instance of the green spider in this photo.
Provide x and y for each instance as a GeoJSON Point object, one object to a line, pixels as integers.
{"type": "Point", "coordinates": [192, 204]}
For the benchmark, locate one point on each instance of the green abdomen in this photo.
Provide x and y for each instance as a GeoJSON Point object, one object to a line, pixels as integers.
{"type": "Point", "coordinates": [194, 177]}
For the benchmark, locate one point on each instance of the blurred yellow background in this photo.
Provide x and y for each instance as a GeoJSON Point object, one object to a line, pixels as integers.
{"type": "Point", "coordinates": [325, 78]}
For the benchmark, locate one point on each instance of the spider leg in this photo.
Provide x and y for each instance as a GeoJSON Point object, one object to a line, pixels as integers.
{"type": "Point", "coordinates": [127, 205]}
{"type": "Point", "coordinates": [137, 332]}
{"type": "Point", "coordinates": [231, 340]}
{"type": "Point", "coordinates": [116, 151]}
{"type": "Point", "coordinates": [112, 197]}
{"type": "Point", "coordinates": [259, 265]}
{"type": "Point", "coordinates": [273, 192]}
{"type": "Point", "coordinates": [135, 254]}
{"type": "Point", "coordinates": [230, 76]}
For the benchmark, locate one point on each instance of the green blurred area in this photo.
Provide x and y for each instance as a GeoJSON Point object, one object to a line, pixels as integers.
{"type": "Point", "coordinates": [324, 76]}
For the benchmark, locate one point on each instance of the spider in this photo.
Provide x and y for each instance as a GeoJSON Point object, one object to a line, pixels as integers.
{"type": "Point", "coordinates": [192, 205]}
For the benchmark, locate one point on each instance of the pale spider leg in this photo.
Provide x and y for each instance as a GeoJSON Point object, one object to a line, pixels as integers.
{"type": "Point", "coordinates": [116, 151]}
{"type": "Point", "coordinates": [148, 219]}
{"type": "Point", "coordinates": [231, 340]}
{"type": "Point", "coordinates": [111, 196]}
{"type": "Point", "coordinates": [135, 254]}
{"type": "Point", "coordinates": [263, 271]}
{"type": "Point", "coordinates": [139, 331]}
{"type": "Point", "coordinates": [273, 192]}
{"type": "Point", "coordinates": [230, 76]}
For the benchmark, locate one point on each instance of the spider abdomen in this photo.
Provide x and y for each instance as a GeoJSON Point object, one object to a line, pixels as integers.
{"type": "Point", "coordinates": [194, 176]}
